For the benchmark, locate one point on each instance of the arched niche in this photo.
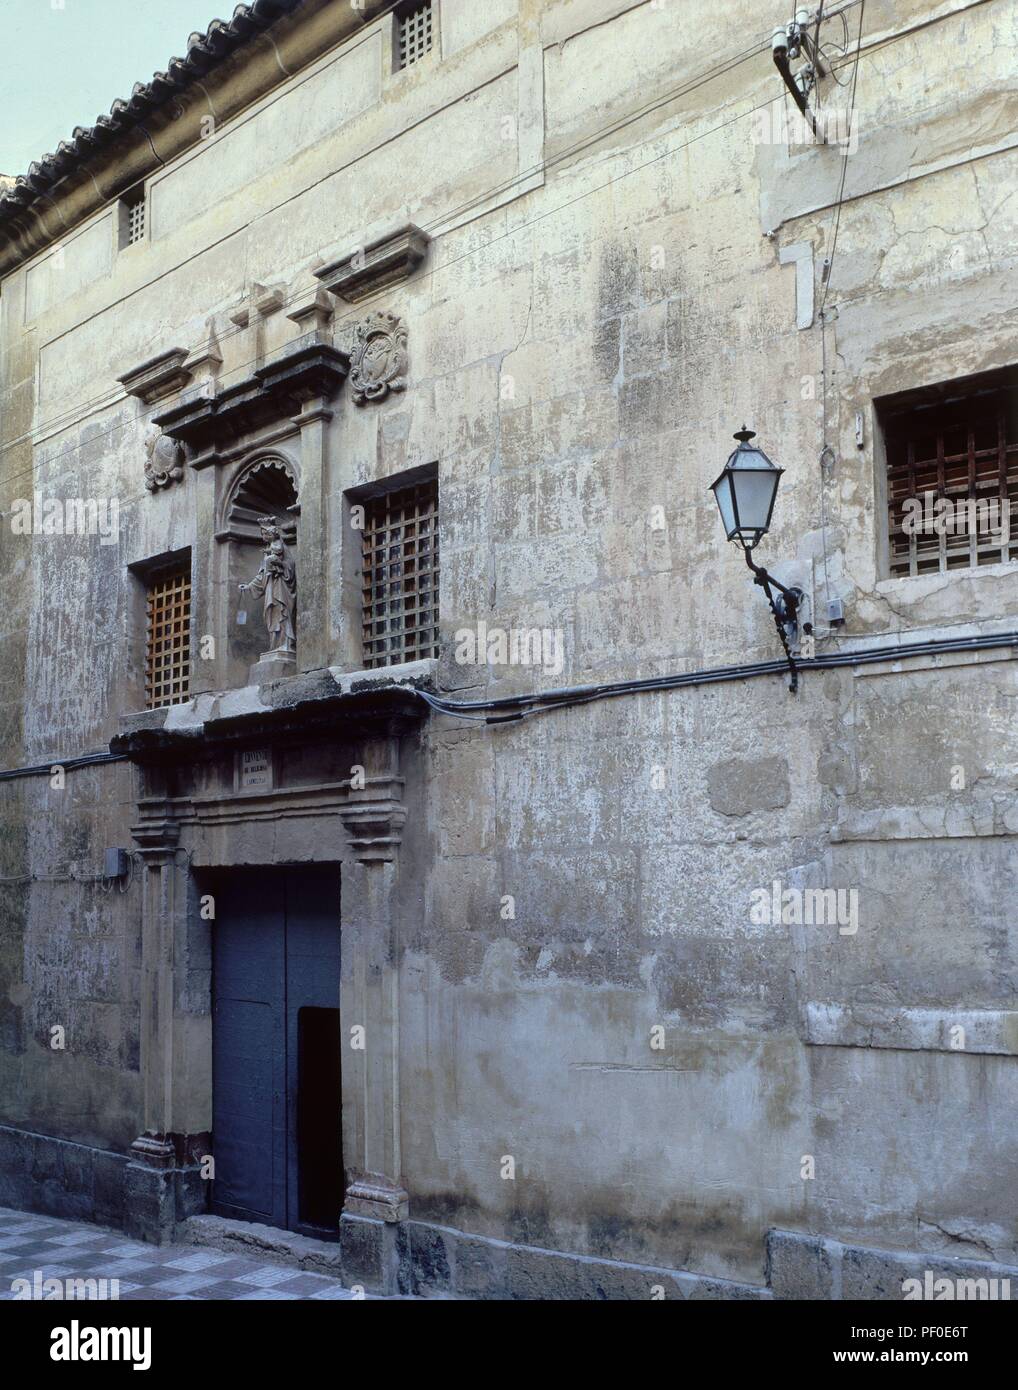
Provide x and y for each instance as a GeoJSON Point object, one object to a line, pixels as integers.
{"type": "Point", "coordinates": [264, 485]}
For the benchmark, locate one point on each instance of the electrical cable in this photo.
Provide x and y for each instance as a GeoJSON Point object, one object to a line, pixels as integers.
{"type": "Point", "coordinates": [522, 706]}
{"type": "Point", "coordinates": [68, 765]}
{"type": "Point", "coordinates": [829, 262]}
{"type": "Point", "coordinates": [518, 707]}
{"type": "Point", "coordinates": [827, 453]}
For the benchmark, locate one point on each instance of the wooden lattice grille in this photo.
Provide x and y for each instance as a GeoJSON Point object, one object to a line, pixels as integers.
{"type": "Point", "coordinates": [168, 640]}
{"type": "Point", "coordinates": [135, 210]}
{"type": "Point", "coordinates": [415, 34]}
{"type": "Point", "coordinates": [400, 576]}
{"type": "Point", "coordinates": [963, 449]}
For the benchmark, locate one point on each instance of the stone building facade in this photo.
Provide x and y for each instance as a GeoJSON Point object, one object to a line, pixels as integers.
{"type": "Point", "coordinates": [439, 318]}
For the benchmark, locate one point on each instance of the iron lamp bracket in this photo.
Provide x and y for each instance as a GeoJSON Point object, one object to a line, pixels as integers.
{"type": "Point", "coordinates": [785, 605]}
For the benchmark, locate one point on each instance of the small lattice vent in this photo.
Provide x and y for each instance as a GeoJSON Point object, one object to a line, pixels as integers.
{"type": "Point", "coordinates": [132, 218]}
{"type": "Point", "coordinates": [416, 27]}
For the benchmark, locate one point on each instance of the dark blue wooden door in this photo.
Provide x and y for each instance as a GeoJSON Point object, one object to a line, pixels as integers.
{"type": "Point", "coordinates": [249, 1046]}
{"type": "Point", "coordinates": [275, 1047]}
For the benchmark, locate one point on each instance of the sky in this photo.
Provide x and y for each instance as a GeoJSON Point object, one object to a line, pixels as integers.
{"type": "Point", "coordinates": [65, 61]}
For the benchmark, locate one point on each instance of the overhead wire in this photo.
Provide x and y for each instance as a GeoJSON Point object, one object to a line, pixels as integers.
{"type": "Point", "coordinates": [828, 455]}
{"type": "Point", "coordinates": [53, 425]}
{"type": "Point", "coordinates": [513, 708]}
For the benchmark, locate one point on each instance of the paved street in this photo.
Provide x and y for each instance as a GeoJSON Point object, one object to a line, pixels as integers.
{"type": "Point", "coordinates": [37, 1248]}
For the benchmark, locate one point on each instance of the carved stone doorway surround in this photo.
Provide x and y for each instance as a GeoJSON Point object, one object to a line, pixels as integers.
{"type": "Point", "coordinates": [188, 822]}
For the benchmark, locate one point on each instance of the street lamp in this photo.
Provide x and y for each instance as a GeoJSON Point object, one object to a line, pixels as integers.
{"type": "Point", "coordinates": [745, 493]}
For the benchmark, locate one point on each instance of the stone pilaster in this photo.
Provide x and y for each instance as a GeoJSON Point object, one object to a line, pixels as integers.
{"type": "Point", "coordinates": [161, 1182]}
{"type": "Point", "coordinates": [313, 645]}
{"type": "Point", "coordinates": [376, 1199]}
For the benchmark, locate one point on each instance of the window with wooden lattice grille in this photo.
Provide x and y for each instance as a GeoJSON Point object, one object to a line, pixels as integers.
{"type": "Point", "coordinates": [132, 218]}
{"type": "Point", "coordinates": [952, 474]}
{"type": "Point", "coordinates": [168, 638]}
{"type": "Point", "coordinates": [400, 575]}
{"type": "Point", "coordinates": [414, 34]}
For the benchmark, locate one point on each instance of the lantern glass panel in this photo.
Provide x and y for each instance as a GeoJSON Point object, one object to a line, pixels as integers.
{"type": "Point", "coordinates": [755, 489]}
{"type": "Point", "coordinates": [726, 503]}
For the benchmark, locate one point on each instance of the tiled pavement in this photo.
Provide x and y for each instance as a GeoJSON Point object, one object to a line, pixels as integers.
{"type": "Point", "coordinates": [68, 1249]}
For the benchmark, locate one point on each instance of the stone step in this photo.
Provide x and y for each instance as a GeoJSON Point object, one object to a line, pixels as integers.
{"type": "Point", "coordinates": [267, 1242]}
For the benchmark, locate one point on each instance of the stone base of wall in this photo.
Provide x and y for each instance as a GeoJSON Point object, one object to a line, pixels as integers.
{"type": "Point", "coordinates": [56, 1177]}
{"type": "Point", "coordinates": [413, 1257]}
{"type": "Point", "coordinates": [818, 1268]}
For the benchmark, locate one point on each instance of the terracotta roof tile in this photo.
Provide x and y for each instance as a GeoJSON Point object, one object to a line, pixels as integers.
{"type": "Point", "coordinates": [204, 51]}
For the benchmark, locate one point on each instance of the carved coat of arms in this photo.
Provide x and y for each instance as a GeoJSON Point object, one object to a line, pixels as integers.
{"type": "Point", "coordinates": [379, 360]}
{"type": "Point", "coordinates": [164, 462]}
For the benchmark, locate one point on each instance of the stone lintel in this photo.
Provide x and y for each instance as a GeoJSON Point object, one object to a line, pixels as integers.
{"type": "Point", "coordinates": [386, 262]}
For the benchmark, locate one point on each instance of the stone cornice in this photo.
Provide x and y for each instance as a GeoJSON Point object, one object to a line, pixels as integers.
{"type": "Point", "coordinates": [372, 813]}
{"type": "Point", "coordinates": [384, 710]}
{"type": "Point", "coordinates": [158, 377]}
{"type": "Point", "coordinates": [386, 262]}
{"type": "Point", "coordinates": [306, 369]}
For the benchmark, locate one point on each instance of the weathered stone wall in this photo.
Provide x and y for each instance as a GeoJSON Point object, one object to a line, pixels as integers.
{"type": "Point", "coordinates": [583, 342]}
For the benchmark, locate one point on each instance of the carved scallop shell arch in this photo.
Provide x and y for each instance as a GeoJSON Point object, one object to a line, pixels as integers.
{"type": "Point", "coordinates": [266, 486]}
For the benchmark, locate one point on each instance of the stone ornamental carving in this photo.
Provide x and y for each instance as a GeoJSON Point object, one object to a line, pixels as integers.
{"type": "Point", "coordinates": [164, 460]}
{"type": "Point", "coordinates": [379, 362]}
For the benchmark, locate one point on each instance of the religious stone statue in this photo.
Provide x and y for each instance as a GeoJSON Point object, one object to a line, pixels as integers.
{"type": "Point", "coordinates": [277, 581]}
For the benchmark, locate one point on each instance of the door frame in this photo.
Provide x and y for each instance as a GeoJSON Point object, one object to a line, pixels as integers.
{"type": "Point", "coordinates": [192, 820]}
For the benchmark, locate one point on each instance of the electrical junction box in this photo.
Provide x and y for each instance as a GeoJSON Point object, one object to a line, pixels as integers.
{"type": "Point", "coordinates": [116, 863]}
